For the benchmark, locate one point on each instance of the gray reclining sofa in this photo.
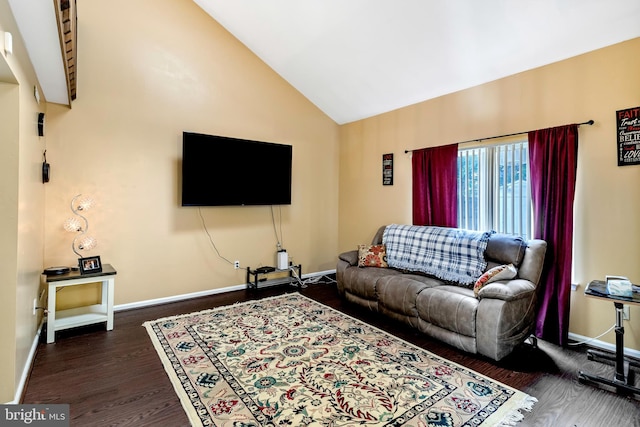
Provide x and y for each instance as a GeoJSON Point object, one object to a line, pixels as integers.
{"type": "Point", "coordinates": [492, 323]}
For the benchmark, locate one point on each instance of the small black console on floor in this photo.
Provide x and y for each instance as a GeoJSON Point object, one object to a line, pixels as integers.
{"type": "Point", "coordinates": [260, 275]}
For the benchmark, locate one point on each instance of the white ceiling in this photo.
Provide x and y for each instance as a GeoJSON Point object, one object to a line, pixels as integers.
{"type": "Point", "coordinates": [357, 58]}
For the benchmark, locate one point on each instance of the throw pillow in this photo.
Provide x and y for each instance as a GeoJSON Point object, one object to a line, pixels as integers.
{"type": "Point", "coordinates": [372, 256]}
{"type": "Point", "coordinates": [501, 272]}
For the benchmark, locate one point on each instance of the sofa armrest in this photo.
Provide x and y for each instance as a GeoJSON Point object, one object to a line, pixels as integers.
{"type": "Point", "coordinates": [350, 257]}
{"type": "Point", "coordinates": [508, 290]}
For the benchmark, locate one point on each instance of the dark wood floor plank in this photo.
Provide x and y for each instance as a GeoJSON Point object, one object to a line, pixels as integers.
{"type": "Point", "coordinates": [116, 378]}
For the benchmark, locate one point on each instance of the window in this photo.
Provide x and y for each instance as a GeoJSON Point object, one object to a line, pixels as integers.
{"type": "Point", "coordinates": [493, 189]}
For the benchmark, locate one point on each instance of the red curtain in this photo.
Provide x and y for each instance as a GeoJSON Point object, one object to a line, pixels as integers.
{"type": "Point", "coordinates": [435, 173]}
{"type": "Point", "coordinates": [553, 155]}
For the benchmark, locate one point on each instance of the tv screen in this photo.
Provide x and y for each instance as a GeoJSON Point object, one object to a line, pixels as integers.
{"type": "Point", "coordinates": [223, 171]}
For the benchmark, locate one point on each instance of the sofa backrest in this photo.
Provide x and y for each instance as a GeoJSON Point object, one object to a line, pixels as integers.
{"type": "Point", "coordinates": [504, 249]}
{"type": "Point", "coordinates": [377, 239]}
{"type": "Point", "coordinates": [533, 261]}
{"type": "Point", "coordinates": [527, 257]}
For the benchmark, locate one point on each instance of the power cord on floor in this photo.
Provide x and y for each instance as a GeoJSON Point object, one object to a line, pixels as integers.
{"type": "Point", "coordinates": [592, 339]}
{"type": "Point", "coordinates": [310, 280]}
{"type": "Point", "coordinates": [301, 283]}
{"type": "Point", "coordinates": [316, 279]}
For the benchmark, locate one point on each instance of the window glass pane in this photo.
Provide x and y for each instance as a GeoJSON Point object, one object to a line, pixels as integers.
{"type": "Point", "coordinates": [469, 191]}
{"type": "Point", "coordinates": [493, 189]}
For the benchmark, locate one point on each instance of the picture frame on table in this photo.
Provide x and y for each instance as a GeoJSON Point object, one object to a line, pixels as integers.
{"type": "Point", "coordinates": [90, 264]}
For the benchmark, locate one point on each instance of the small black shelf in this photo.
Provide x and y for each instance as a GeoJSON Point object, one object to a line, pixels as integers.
{"type": "Point", "coordinates": [256, 276]}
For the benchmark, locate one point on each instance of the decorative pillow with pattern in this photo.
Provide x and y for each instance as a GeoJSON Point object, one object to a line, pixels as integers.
{"type": "Point", "coordinates": [501, 272]}
{"type": "Point", "coordinates": [372, 256]}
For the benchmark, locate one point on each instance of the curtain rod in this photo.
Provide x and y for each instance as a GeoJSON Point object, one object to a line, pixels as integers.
{"type": "Point", "coordinates": [589, 122]}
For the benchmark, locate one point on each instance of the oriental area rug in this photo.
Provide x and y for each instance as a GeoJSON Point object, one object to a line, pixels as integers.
{"type": "Point", "coordinates": [291, 361]}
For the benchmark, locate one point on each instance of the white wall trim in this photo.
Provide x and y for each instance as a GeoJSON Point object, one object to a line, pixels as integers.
{"type": "Point", "coordinates": [604, 345]}
{"type": "Point", "coordinates": [27, 366]}
{"type": "Point", "coordinates": [175, 298]}
{"type": "Point", "coordinates": [182, 297]}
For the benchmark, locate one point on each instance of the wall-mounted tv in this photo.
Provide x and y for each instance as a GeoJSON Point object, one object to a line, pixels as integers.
{"type": "Point", "coordinates": [224, 171]}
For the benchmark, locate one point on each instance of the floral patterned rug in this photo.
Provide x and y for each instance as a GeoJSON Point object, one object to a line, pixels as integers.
{"type": "Point", "coordinates": [291, 361]}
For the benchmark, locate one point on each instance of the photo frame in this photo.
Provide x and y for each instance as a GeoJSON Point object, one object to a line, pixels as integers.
{"type": "Point", "coordinates": [628, 136]}
{"type": "Point", "coordinates": [387, 169]}
{"type": "Point", "coordinates": [90, 264]}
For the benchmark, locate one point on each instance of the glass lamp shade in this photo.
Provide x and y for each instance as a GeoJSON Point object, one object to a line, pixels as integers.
{"type": "Point", "coordinates": [72, 224]}
{"type": "Point", "coordinates": [87, 243]}
{"type": "Point", "coordinates": [84, 203]}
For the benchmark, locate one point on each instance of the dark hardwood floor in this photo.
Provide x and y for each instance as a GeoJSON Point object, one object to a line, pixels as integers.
{"type": "Point", "coordinates": [116, 379]}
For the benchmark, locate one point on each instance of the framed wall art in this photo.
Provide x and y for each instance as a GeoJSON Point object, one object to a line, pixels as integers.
{"type": "Point", "coordinates": [628, 138]}
{"type": "Point", "coordinates": [387, 169]}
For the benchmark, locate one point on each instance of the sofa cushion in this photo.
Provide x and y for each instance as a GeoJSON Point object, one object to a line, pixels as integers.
{"type": "Point", "coordinates": [500, 272]}
{"type": "Point", "coordinates": [398, 294]}
{"type": "Point", "coordinates": [430, 281]}
{"type": "Point", "coordinates": [362, 281]}
{"type": "Point", "coordinates": [449, 307]}
{"type": "Point", "coordinates": [372, 256]}
{"type": "Point", "coordinates": [505, 249]}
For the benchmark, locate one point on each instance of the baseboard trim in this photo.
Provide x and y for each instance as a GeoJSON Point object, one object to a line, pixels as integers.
{"type": "Point", "coordinates": [182, 297]}
{"type": "Point", "coordinates": [603, 345]}
{"type": "Point", "coordinates": [27, 367]}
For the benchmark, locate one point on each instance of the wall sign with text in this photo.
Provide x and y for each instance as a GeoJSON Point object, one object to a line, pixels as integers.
{"type": "Point", "coordinates": [387, 169]}
{"type": "Point", "coordinates": [628, 122]}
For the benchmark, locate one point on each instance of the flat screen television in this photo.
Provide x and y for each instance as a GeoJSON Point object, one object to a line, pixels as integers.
{"type": "Point", "coordinates": [224, 171]}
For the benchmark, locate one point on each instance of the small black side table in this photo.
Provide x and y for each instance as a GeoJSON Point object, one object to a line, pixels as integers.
{"type": "Point", "coordinates": [253, 284]}
{"type": "Point", "coordinates": [622, 380]}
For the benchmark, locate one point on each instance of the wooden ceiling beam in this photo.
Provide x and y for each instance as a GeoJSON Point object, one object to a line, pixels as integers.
{"type": "Point", "coordinates": [68, 30]}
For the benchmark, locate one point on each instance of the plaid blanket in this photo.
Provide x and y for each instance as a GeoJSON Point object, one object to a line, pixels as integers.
{"type": "Point", "coordinates": [450, 254]}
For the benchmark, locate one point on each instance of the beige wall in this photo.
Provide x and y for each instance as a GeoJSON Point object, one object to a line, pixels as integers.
{"type": "Point", "coordinates": [9, 231]}
{"type": "Point", "coordinates": [144, 77]}
{"type": "Point", "coordinates": [21, 210]}
{"type": "Point", "coordinates": [591, 86]}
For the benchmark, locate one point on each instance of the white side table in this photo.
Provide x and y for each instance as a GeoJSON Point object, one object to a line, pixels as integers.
{"type": "Point", "coordinates": [88, 315]}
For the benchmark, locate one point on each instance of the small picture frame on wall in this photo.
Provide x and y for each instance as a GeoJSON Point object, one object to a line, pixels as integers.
{"type": "Point", "coordinates": [387, 169]}
{"type": "Point", "coordinates": [90, 264]}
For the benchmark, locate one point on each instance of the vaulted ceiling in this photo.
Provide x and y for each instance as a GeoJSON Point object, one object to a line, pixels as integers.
{"type": "Point", "coordinates": [358, 58]}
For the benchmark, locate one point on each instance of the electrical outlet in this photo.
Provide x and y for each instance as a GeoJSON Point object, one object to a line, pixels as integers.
{"type": "Point", "coordinates": [236, 264]}
{"type": "Point", "coordinates": [626, 314]}
{"type": "Point", "coordinates": [35, 306]}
